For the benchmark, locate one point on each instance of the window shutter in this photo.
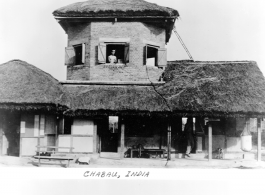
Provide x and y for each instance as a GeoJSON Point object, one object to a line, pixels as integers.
{"type": "Point", "coordinates": [126, 53]}
{"type": "Point", "coordinates": [83, 52]}
{"type": "Point", "coordinates": [162, 57]}
{"type": "Point", "coordinates": [102, 53]}
{"type": "Point", "coordinates": [69, 56]}
{"type": "Point", "coordinates": [145, 55]}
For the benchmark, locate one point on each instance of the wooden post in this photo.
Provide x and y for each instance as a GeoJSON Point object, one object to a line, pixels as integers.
{"type": "Point", "coordinates": [71, 143]}
{"type": "Point", "coordinates": [169, 142]}
{"type": "Point", "coordinates": [209, 141]}
{"type": "Point", "coordinates": [1, 135]}
{"type": "Point", "coordinates": [95, 138]}
{"type": "Point", "coordinates": [122, 140]}
{"type": "Point", "coordinates": [259, 139]}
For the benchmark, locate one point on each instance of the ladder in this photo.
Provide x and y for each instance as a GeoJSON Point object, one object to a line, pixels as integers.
{"type": "Point", "coordinates": [182, 43]}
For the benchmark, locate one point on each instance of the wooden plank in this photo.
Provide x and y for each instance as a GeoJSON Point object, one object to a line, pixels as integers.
{"type": "Point", "coordinates": [82, 127]}
{"type": "Point", "coordinates": [83, 144]}
{"type": "Point", "coordinates": [77, 136]}
{"type": "Point", "coordinates": [209, 141]}
{"type": "Point", "coordinates": [55, 157]}
{"type": "Point", "coordinates": [54, 147]}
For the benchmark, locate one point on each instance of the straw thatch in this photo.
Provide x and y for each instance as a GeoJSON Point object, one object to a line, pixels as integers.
{"type": "Point", "coordinates": [192, 88]}
{"type": "Point", "coordinates": [213, 88]}
{"type": "Point", "coordinates": [115, 8]}
{"type": "Point", "coordinates": [23, 86]}
{"type": "Point", "coordinates": [102, 99]}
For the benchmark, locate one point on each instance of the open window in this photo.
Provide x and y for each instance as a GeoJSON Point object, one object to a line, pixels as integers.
{"type": "Point", "coordinates": [155, 56]}
{"type": "Point", "coordinates": [113, 124]}
{"type": "Point", "coordinates": [121, 52]}
{"type": "Point", "coordinates": [75, 55]}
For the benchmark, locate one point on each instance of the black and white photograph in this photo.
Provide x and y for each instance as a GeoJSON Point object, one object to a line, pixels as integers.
{"type": "Point", "coordinates": [163, 94]}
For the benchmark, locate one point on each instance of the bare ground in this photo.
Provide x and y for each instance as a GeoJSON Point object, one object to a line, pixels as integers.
{"type": "Point", "coordinates": [188, 163]}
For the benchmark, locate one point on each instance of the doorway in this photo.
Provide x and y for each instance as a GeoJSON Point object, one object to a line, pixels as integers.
{"type": "Point", "coordinates": [11, 134]}
{"type": "Point", "coordinates": [109, 135]}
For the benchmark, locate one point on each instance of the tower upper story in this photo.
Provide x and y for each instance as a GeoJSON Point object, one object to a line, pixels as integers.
{"type": "Point", "coordinates": [136, 30]}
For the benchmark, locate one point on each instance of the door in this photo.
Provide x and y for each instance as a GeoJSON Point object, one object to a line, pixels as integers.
{"type": "Point", "coordinates": [11, 136]}
{"type": "Point", "coordinates": [109, 142]}
{"type": "Point", "coordinates": [109, 138]}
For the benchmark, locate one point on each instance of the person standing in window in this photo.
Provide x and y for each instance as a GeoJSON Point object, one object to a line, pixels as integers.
{"type": "Point", "coordinates": [112, 58]}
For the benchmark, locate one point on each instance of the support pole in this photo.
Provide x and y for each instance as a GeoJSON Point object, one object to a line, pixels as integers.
{"type": "Point", "coordinates": [95, 132]}
{"type": "Point", "coordinates": [122, 140]}
{"type": "Point", "coordinates": [169, 142]}
{"type": "Point", "coordinates": [259, 139]}
{"type": "Point", "coordinates": [209, 141]}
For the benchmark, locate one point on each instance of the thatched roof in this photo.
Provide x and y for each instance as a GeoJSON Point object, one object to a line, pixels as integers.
{"type": "Point", "coordinates": [23, 86]}
{"type": "Point", "coordinates": [192, 88]}
{"type": "Point", "coordinates": [115, 8]}
{"type": "Point", "coordinates": [100, 99]}
{"type": "Point", "coordinates": [215, 88]}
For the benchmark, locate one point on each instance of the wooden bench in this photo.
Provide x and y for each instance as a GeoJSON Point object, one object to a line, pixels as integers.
{"type": "Point", "coordinates": [140, 150]}
{"type": "Point", "coordinates": [59, 158]}
{"type": "Point", "coordinates": [54, 149]}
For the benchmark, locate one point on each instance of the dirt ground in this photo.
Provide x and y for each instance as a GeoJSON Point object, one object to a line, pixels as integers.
{"type": "Point", "coordinates": [188, 163]}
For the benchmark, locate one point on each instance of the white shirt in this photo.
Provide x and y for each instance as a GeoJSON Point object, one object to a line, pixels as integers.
{"type": "Point", "coordinates": [112, 59]}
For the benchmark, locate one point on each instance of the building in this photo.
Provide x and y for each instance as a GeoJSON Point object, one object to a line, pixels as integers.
{"type": "Point", "coordinates": [106, 109]}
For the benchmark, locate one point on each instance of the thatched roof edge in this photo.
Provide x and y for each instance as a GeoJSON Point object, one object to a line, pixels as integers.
{"type": "Point", "coordinates": [115, 8]}
{"type": "Point", "coordinates": [33, 107]}
{"type": "Point", "coordinates": [23, 83]}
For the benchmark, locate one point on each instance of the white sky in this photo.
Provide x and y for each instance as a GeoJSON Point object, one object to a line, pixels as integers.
{"type": "Point", "coordinates": [211, 29]}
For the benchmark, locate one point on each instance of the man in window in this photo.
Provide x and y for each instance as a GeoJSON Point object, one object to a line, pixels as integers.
{"type": "Point", "coordinates": [112, 58]}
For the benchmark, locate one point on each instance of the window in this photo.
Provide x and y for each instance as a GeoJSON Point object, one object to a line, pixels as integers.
{"type": "Point", "coordinates": [75, 55]}
{"type": "Point", "coordinates": [78, 54]}
{"type": "Point", "coordinates": [155, 56]}
{"type": "Point", "coordinates": [121, 52]}
{"type": "Point", "coordinates": [67, 125]}
{"type": "Point", "coordinates": [113, 124]}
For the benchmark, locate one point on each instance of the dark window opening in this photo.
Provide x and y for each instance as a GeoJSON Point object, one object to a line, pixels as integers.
{"type": "Point", "coordinates": [67, 125]}
{"type": "Point", "coordinates": [151, 55]}
{"type": "Point", "coordinates": [143, 127]}
{"type": "Point", "coordinates": [78, 54]}
{"type": "Point", "coordinates": [119, 52]}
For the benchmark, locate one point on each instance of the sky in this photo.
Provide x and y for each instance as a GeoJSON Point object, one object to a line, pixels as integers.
{"type": "Point", "coordinates": [212, 30]}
